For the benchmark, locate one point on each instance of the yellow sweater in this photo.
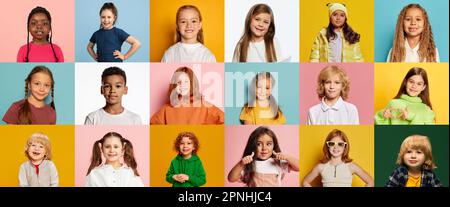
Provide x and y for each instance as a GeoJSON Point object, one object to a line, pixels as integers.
{"type": "Point", "coordinates": [320, 51]}
{"type": "Point", "coordinates": [260, 115]}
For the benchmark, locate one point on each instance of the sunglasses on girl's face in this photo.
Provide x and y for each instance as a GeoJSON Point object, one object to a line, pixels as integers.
{"type": "Point", "coordinates": [339, 144]}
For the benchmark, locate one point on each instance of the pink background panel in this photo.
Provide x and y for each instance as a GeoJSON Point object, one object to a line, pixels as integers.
{"type": "Point", "coordinates": [14, 19]}
{"type": "Point", "coordinates": [85, 136]}
{"type": "Point", "coordinates": [161, 73]}
{"type": "Point", "coordinates": [361, 88]}
{"type": "Point", "coordinates": [236, 137]}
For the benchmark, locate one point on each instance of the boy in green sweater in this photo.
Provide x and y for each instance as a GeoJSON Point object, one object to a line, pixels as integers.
{"type": "Point", "coordinates": [186, 169]}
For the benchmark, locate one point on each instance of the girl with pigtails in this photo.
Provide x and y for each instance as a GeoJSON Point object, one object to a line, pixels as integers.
{"type": "Point", "coordinates": [32, 109]}
{"type": "Point", "coordinates": [120, 166]}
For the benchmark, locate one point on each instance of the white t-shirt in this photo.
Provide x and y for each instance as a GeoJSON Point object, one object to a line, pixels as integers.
{"type": "Point", "coordinates": [412, 56]}
{"type": "Point", "coordinates": [182, 52]}
{"type": "Point", "coordinates": [101, 117]}
{"type": "Point", "coordinates": [106, 176]}
{"type": "Point", "coordinates": [256, 52]}
{"type": "Point", "coordinates": [336, 49]}
{"type": "Point", "coordinates": [341, 112]}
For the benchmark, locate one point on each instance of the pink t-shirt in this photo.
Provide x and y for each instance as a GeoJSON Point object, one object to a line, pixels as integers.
{"type": "Point", "coordinates": [43, 115]}
{"type": "Point", "coordinates": [40, 53]}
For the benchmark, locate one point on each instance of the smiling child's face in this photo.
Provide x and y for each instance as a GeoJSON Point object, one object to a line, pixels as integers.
{"type": "Point", "coordinates": [338, 19]}
{"type": "Point", "coordinates": [113, 89]}
{"type": "Point", "coordinates": [186, 147]}
{"type": "Point", "coordinates": [40, 86]}
{"type": "Point", "coordinates": [336, 146]}
{"type": "Point", "coordinates": [413, 22]}
{"type": "Point", "coordinates": [39, 27]}
{"type": "Point", "coordinates": [259, 26]}
{"type": "Point", "coordinates": [263, 89]}
{"type": "Point", "coordinates": [107, 19]}
{"type": "Point", "coordinates": [183, 84]}
{"type": "Point", "coordinates": [415, 85]}
{"type": "Point", "coordinates": [112, 150]}
{"type": "Point", "coordinates": [36, 151]}
{"type": "Point", "coordinates": [189, 25]}
{"type": "Point", "coordinates": [264, 147]}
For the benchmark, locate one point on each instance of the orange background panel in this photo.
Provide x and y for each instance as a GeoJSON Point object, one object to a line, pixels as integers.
{"type": "Point", "coordinates": [12, 155]}
{"type": "Point", "coordinates": [211, 152]}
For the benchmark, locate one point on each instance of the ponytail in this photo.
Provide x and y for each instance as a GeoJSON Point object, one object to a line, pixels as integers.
{"type": "Point", "coordinates": [96, 158]}
{"type": "Point", "coordinates": [128, 156]}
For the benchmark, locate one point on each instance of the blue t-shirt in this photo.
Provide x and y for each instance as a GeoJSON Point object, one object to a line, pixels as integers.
{"type": "Point", "coordinates": [107, 41]}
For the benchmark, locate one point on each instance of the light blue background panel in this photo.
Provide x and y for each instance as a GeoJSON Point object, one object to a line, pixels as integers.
{"type": "Point", "coordinates": [386, 14]}
{"type": "Point", "coordinates": [12, 87]}
{"type": "Point", "coordinates": [287, 86]}
{"type": "Point", "coordinates": [133, 18]}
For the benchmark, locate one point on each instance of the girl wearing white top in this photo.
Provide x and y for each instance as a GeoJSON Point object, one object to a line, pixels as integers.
{"type": "Point", "coordinates": [258, 43]}
{"type": "Point", "coordinates": [189, 46]}
{"type": "Point", "coordinates": [333, 86]}
{"type": "Point", "coordinates": [113, 173]}
{"type": "Point", "coordinates": [336, 168]}
{"type": "Point", "coordinates": [413, 38]}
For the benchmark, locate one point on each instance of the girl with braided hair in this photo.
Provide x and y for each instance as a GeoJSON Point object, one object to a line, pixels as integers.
{"type": "Point", "coordinates": [41, 48]}
{"type": "Point", "coordinates": [33, 109]}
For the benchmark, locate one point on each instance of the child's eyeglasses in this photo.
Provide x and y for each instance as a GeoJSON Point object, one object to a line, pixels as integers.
{"type": "Point", "coordinates": [339, 144]}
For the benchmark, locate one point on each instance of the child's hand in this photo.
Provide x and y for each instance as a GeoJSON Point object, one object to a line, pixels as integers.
{"type": "Point", "coordinates": [403, 113]}
{"type": "Point", "coordinates": [184, 177]}
{"type": "Point", "coordinates": [119, 55]}
{"type": "Point", "coordinates": [247, 159]}
{"type": "Point", "coordinates": [178, 178]}
{"type": "Point", "coordinates": [279, 156]}
{"type": "Point", "coordinates": [387, 113]}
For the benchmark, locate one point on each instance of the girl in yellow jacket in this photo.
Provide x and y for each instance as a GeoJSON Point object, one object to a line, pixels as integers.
{"type": "Point", "coordinates": [337, 42]}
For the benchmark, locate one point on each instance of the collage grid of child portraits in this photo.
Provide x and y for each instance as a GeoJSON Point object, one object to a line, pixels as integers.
{"type": "Point", "coordinates": [225, 93]}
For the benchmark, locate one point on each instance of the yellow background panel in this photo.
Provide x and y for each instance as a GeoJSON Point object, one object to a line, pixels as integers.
{"type": "Point", "coordinates": [163, 26]}
{"type": "Point", "coordinates": [211, 152]}
{"type": "Point", "coordinates": [12, 154]}
{"type": "Point", "coordinates": [389, 77]}
{"type": "Point", "coordinates": [314, 16]}
{"type": "Point", "coordinates": [361, 140]}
